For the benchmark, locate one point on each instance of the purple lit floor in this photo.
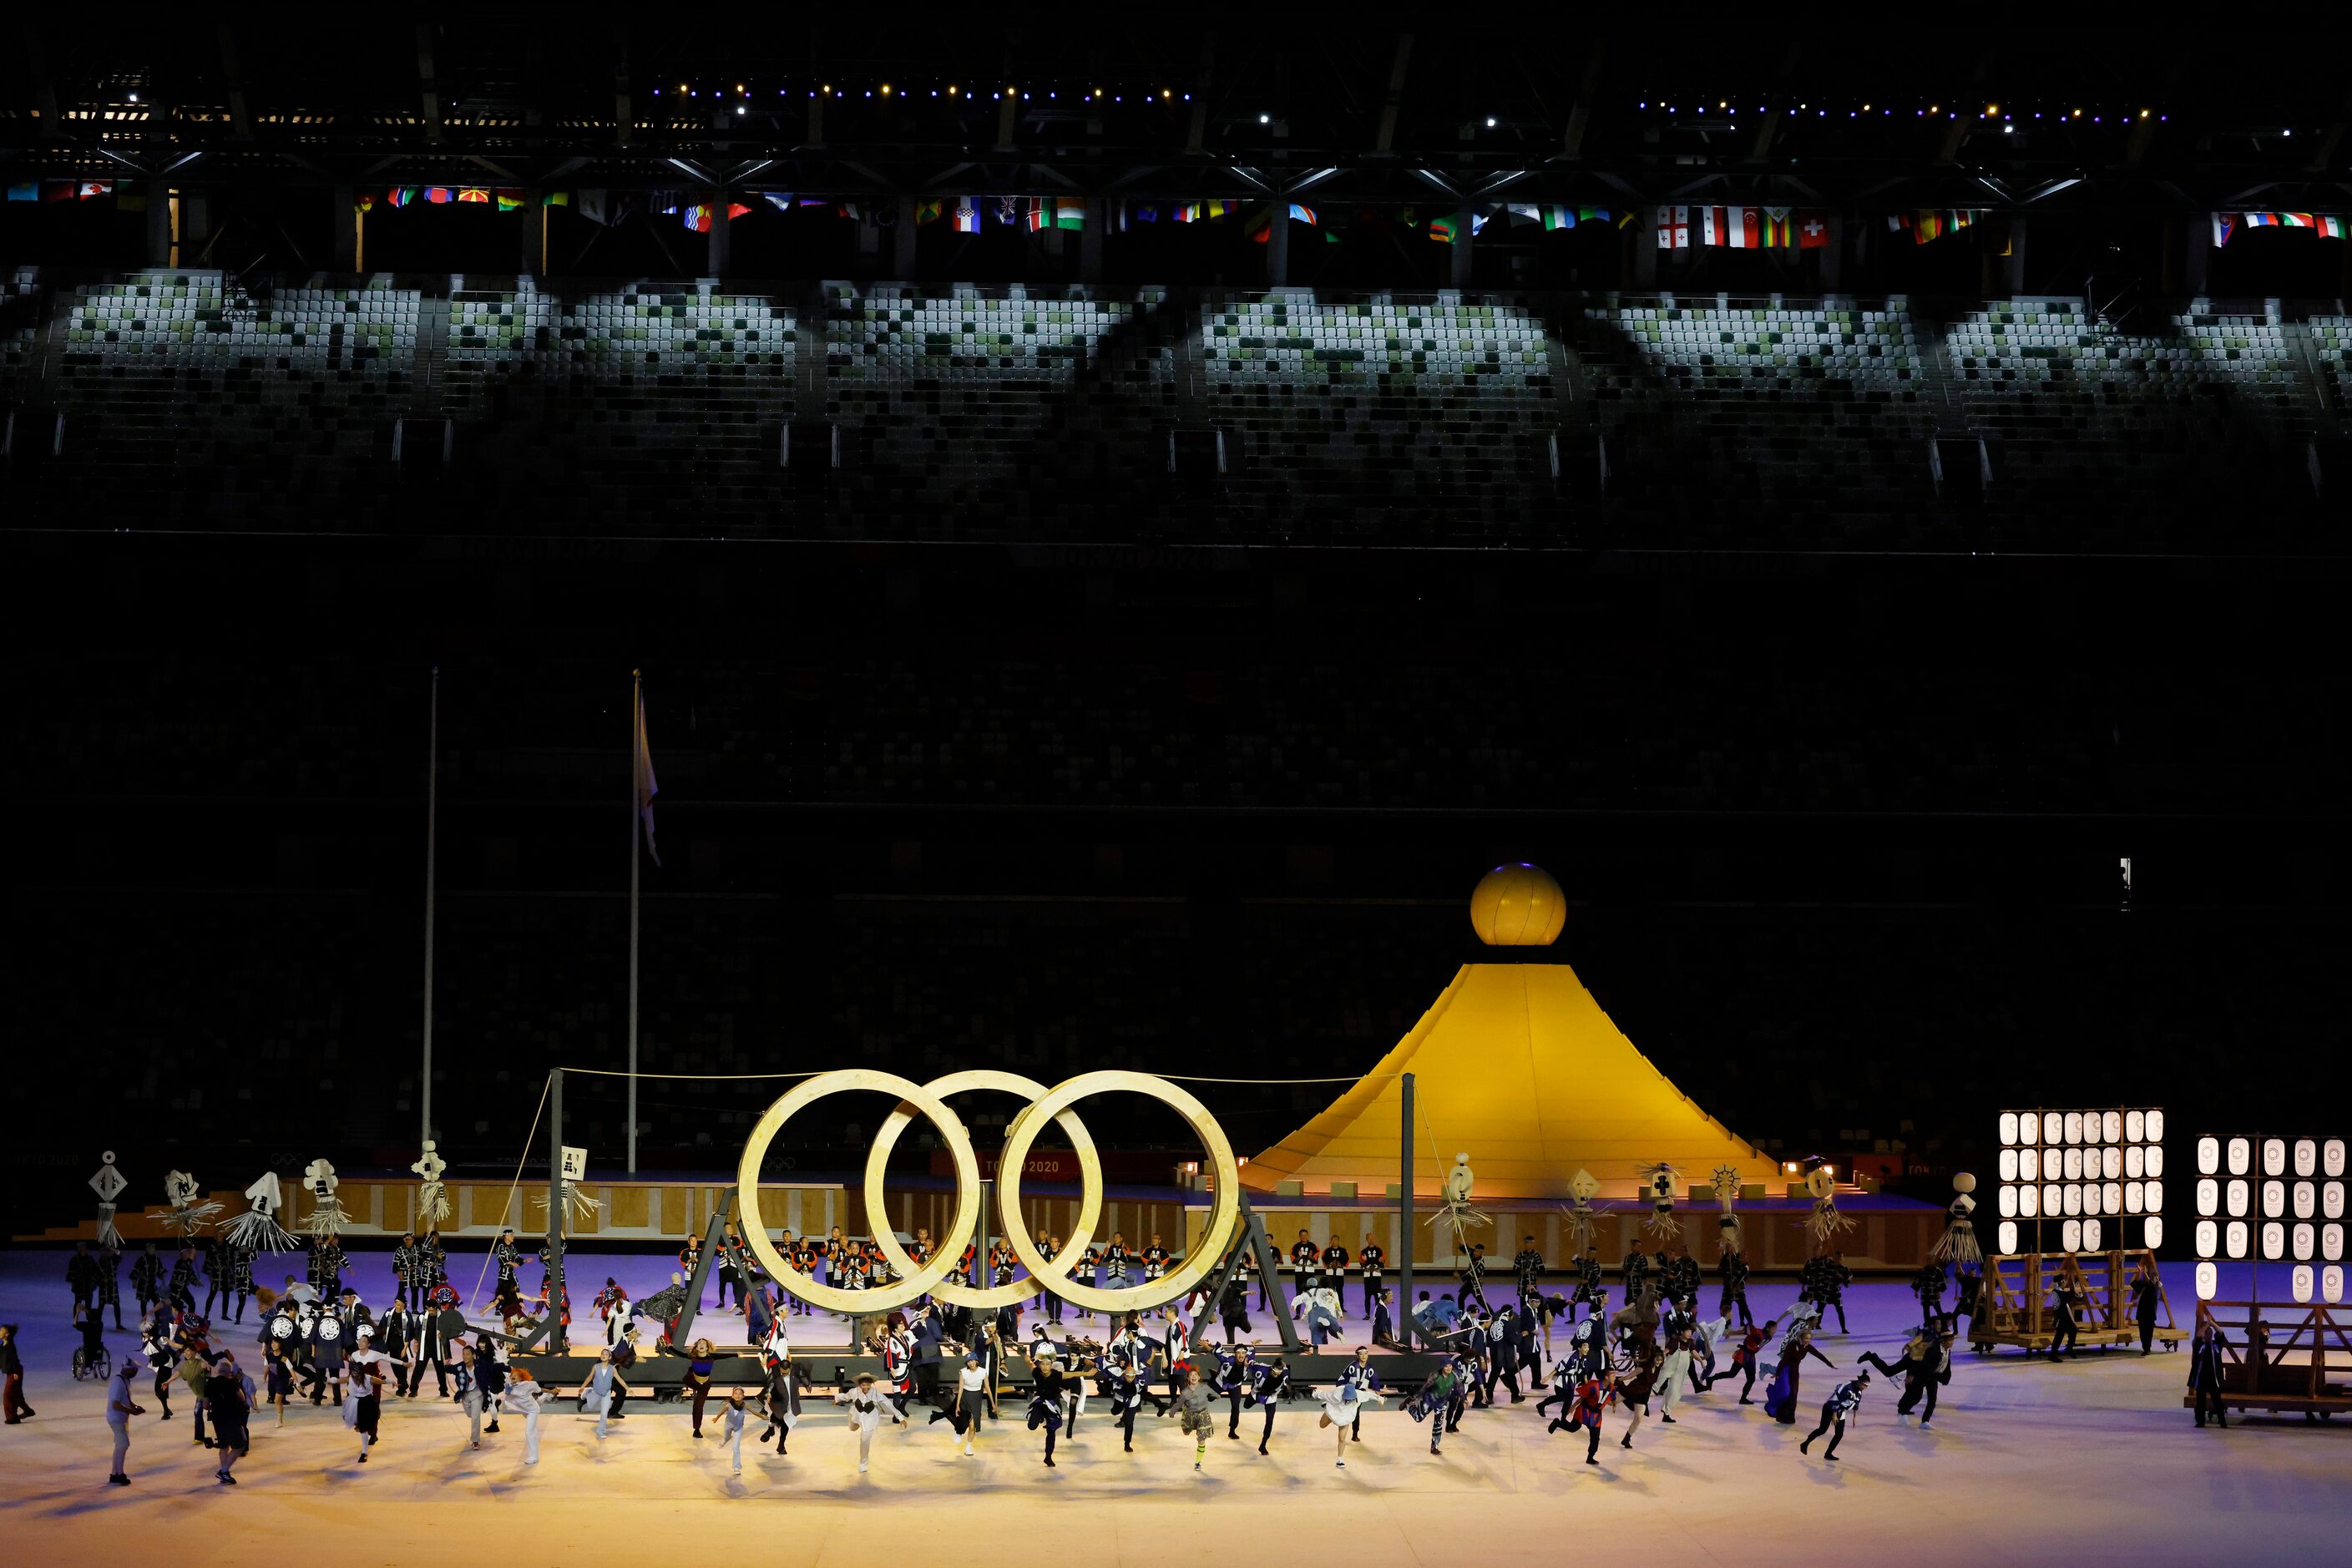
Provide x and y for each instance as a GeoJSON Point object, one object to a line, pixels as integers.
{"type": "Point", "coordinates": [2092, 1461]}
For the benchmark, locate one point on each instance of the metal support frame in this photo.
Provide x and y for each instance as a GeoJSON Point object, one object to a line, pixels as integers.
{"type": "Point", "coordinates": [555, 1204]}
{"type": "Point", "coordinates": [713, 1233]}
{"type": "Point", "coordinates": [1406, 1328]}
{"type": "Point", "coordinates": [1251, 1242]}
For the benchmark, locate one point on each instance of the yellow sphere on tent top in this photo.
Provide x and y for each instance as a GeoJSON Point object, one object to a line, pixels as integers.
{"type": "Point", "coordinates": [1517, 905]}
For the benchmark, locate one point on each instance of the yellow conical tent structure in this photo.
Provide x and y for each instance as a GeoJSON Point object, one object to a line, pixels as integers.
{"type": "Point", "coordinates": [1517, 1066]}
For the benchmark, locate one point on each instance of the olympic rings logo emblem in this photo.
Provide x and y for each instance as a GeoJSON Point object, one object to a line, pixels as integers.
{"type": "Point", "coordinates": [930, 1100]}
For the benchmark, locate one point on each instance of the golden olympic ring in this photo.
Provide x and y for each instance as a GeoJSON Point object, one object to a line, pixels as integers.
{"type": "Point", "coordinates": [1090, 1190]}
{"type": "Point", "coordinates": [1047, 1105]}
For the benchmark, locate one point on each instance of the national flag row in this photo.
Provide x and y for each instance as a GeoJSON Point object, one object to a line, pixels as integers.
{"type": "Point", "coordinates": [60, 189]}
{"type": "Point", "coordinates": [1743, 228]}
{"type": "Point", "coordinates": [2327, 225]}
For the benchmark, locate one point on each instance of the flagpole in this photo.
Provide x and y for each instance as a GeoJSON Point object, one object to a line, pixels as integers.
{"type": "Point", "coordinates": [432, 838]}
{"type": "Point", "coordinates": [636, 706]}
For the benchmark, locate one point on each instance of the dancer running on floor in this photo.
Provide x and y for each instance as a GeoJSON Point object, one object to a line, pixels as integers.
{"type": "Point", "coordinates": [1844, 1402]}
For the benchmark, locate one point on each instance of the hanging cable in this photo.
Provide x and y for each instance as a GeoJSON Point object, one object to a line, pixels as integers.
{"type": "Point", "coordinates": [514, 1189]}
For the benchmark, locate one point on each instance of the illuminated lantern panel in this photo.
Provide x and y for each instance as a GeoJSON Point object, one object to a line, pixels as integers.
{"type": "Point", "coordinates": [2331, 1157]}
{"type": "Point", "coordinates": [2274, 1156]}
{"type": "Point", "coordinates": [2090, 1235]}
{"type": "Point", "coordinates": [2242, 1156]}
{"type": "Point", "coordinates": [2111, 1126]}
{"type": "Point", "coordinates": [2155, 1126]}
{"type": "Point", "coordinates": [2111, 1199]}
{"type": "Point", "coordinates": [2134, 1160]}
{"type": "Point", "coordinates": [2073, 1127]}
{"type": "Point", "coordinates": [2306, 1199]}
{"type": "Point", "coordinates": [2071, 1235]}
{"type": "Point", "coordinates": [2209, 1238]}
{"type": "Point", "coordinates": [2131, 1197]}
{"type": "Point", "coordinates": [2008, 1131]}
{"type": "Point", "coordinates": [2054, 1198]}
{"type": "Point", "coordinates": [2238, 1199]}
{"type": "Point", "coordinates": [2209, 1156]}
{"type": "Point", "coordinates": [2302, 1239]}
{"type": "Point", "coordinates": [2331, 1283]}
{"type": "Point", "coordinates": [2111, 1163]}
{"type": "Point", "coordinates": [2208, 1196]}
{"type": "Point", "coordinates": [2302, 1281]}
{"type": "Point", "coordinates": [2331, 1241]}
{"type": "Point", "coordinates": [2331, 1200]}
{"type": "Point", "coordinates": [2209, 1281]}
{"type": "Point", "coordinates": [2073, 1199]}
{"type": "Point", "coordinates": [2274, 1240]}
{"type": "Point", "coordinates": [2273, 1197]}
{"type": "Point", "coordinates": [2008, 1235]}
{"type": "Point", "coordinates": [2152, 1194]}
{"type": "Point", "coordinates": [2235, 1239]}
{"type": "Point", "coordinates": [2008, 1165]}
{"type": "Point", "coordinates": [2029, 1164]}
{"type": "Point", "coordinates": [2029, 1127]}
{"type": "Point", "coordinates": [2307, 1157]}
{"type": "Point", "coordinates": [2008, 1205]}
{"type": "Point", "coordinates": [2152, 1231]}
{"type": "Point", "coordinates": [2029, 1202]}
{"type": "Point", "coordinates": [2155, 1161]}
{"type": "Point", "coordinates": [2135, 1127]}
{"type": "Point", "coordinates": [2074, 1163]}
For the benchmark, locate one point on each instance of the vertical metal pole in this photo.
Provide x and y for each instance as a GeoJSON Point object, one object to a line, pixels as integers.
{"type": "Point", "coordinates": [981, 1278]}
{"type": "Point", "coordinates": [432, 837]}
{"type": "Point", "coordinates": [556, 1338]}
{"type": "Point", "coordinates": [1404, 1323]}
{"type": "Point", "coordinates": [636, 705]}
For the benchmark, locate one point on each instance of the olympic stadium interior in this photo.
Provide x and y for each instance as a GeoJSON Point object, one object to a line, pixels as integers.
{"type": "Point", "coordinates": [1121, 527]}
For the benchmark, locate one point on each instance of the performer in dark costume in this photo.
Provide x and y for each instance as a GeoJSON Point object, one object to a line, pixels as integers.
{"type": "Point", "coordinates": [2070, 1297]}
{"type": "Point", "coordinates": [1231, 1377]}
{"type": "Point", "coordinates": [1374, 1258]}
{"type": "Point", "coordinates": [1364, 1378]}
{"type": "Point", "coordinates": [1591, 1287]}
{"type": "Point", "coordinates": [1639, 1382]}
{"type": "Point", "coordinates": [2207, 1364]}
{"type": "Point", "coordinates": [1925, 1366]}
{"type": "Point", "coordinates": [1744, 1359]}
{"type": "Point", "coordinates": [1731, 1268]}
{"type": "Point", "coordinates": [1529, 1266]}
{"type": "Point", "coordinates": [1436, 1396]}
{"type": "Point", "coordinates": [1267, 1381]}
{"type": "Point", "coordinates": [1474, 1278]}
{"type": "Point", "coordinates": [1232, 1313]}
{"type": "Point", "coordinates": [1781, 1399]}
{"type": "Point", "coordinates": [2147, 1292]}
{"type": "Point", "coordinates": [107, 1264]}
{"type": "Point", "coordinates": [1928, 1286]}
{"type": "Point", "coordinates": [1637, 1268]}
{"type": "Point", "coordinates": [147, 1280]}
{"type": "Point", "coordinates": [508, 1258]}
{"type": "Point", "coordinates": [1835, 1278]}
{"type": "Point", "coordinates": [1844, 1403]}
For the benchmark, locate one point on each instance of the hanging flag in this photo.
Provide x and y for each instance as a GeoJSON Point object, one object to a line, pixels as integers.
{"type": "Point", "coordinates": [57, 190]}
{"type": "Point", "coordinates": [1070, 211]}
{"type": "Point", "coordinates": [967, 216]}
{"type": "Point", "coordinates": [1899, 223]}
{"type": "Point", "coordinates": [1734, 227]}
{"type": "Point", "coordinates": [1523, 212]}
{"type": "Point", "coordinates": [2290, 220]}
{"type": "Point", "coordinates": [1036, 216]}
{"type": "Point", "coordinates": [1478, 220]}
{"type": "Point", "coordinates": [1778, 231]}
{"type": "Point", "coordinates": [594, 205]}
{"type": "Point", "coordinates": [1600, 214]}
{"type": "Point", "coordinates": [850, 211]}
{"type": "Point", "coordinates": [1813, 228]}
{"type": "Point", "coordinates": [402, 195]}
{"type": "Point", "coordinates": [363, 202]}
{"type": "Point", "coordinates": [439, 196]}
{"type": "Point", "coordinates": [646, 786]}
{"type": "Point", "coordinates": [2330, 228]}
{"type": "Point", "coordinates": [1674, 228]}
{"type": "Point", "coordinates": [474, 194]}
{"type": "Point", "coordinates": [1442, 229]}
{"type": "Point", "coordinates": [1301, 214]}
{"type": "Point", "coordinates": [1927, 225]}
{"type": "Point", "coordinates": [1558, 218]}
{"type": "Point", "coordinates": [509, 198]}
{"type": "Point", "coordinates": [90, 190]}
{"type": "Point", "coordinates": [2224, 225]}
{"type": "Point", "coordinates": [1008, 211]}
{"type": "Point", "coordinates": [24, 190]}
{"type": "Point", "coordinates": [1143, 212]}
{"type": "Point", "coordinates": [556, 199]}
{"type": "Point", "coordinates": [929, 210]}
{"type": "Point", "coordinates": [1187, 212]}
{"type": "Point", "coordinates": [696, 218]}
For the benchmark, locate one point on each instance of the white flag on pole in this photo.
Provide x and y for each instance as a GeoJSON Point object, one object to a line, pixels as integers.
{"type": "Point", "coordinates": [647, 787]}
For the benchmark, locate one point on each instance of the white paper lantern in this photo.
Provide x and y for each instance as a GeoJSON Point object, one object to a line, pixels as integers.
{"type": "Point", "coordinates": [2091, 1235]}
{"type": "Point", "coordinates": [2209, 1281]}
{"type": "Point", "coordinates": [2209, 1195]}
{"type": "Point", "coordinates": [2331, 1283]}
{"type": "Point", "coordinates": [2111, 1126]}
{"type": "Point", "coordinates": [2302, 1242]}
{"type": "Point", "coordinates": [2274, 1156]}
{"type": "Point", "coordinates": [2273, 1198]}
{"type": "Point", "coordinates": [2306, 1200]}
{"type": "Point", "coordinates": [2029, 1202]}
{"type": "Point", "coordinates": [2209, 1156]}
{"type": "Point", "coordinates": [2009, 1237]}
{"type": "Point", "coordinates": [2302, 1278]}
{"type": "Point", "coordinates": [2307, 1157]}
{"type": "Point", "coordinates": [2135, 1160]}
{"type": "Point", "coordinates": [2135, 1126]}
{"type": "Point", "coordinates": [2111, 1163]}
{"type": "Point", "coordinates": [2155, 1161]}
{"type": "Point", "coordinates": [2241, 1153]}
{"type": "Point", "coordinates": [2331, 1200]}
{"type": "Point", "coordinates": [2331, 1157]}
{"type": "Point", "coordinates": [2008, 1203]}
{"type": "Point", "coordinates": [2155, 1128]}
{"type": "Point", "coordinates": [2074, 1125]}
{"type": "Point", "coordinates": [2074, 1162]}
{"type": "Point", "coordinates": [2029, 1164]}
{"type": "Point", "coordinates": [2209, 1238]}
{"type": "Point", "coordinates": [2029, 1127]}
{"type": "Point", "coordinates": [2274, 1240]}
{"type": "Point", "coordinates": [2071, 1235]}
{"type": "Point", "coordinates": [2240, 1196]}
{"type": "Point", "coordinates": [2073, 1198]}
{"type": "Point", "coordinates": [2009, 1126]}
{"type": "Point", "coordinates": [2111, 1197]}
{"type": "Point", "coordinates": [2054, 1198]}
{"type": "Point", "coordinates": [2131, 1197]}
{"type": "Point", "coordinates": [2008, 1165]}
{"type": "Point", "coordinates": [2234, 1239]}
{"type": "Point", "coordinates": [2152, 1228]}
{"type": "Point", "coordinates": [2331, 1241]}
{"type": "Point", "coordinates": [2151, 1197]}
